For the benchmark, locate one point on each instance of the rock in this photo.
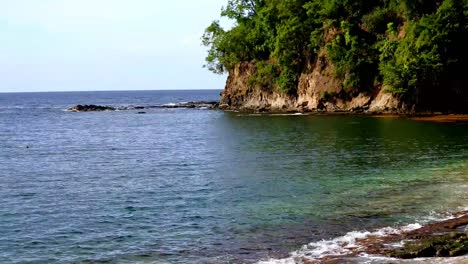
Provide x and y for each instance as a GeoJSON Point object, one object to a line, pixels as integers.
{"type": "Point", "coordinates": [90, 108]}
{"type": "Point", "coordinates": [449, 245]}
{"type": "Point", "coordinates": [193, 105]}
{"type": "Point", "coordinates": [223, 106]}
{"type": "Point", "coordinates": [385, 102]}
{"type": "Point", "coordinates": [316, 82]}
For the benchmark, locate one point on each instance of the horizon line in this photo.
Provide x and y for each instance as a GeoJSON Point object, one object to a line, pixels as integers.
{"type": "Point", "coordinates": [143, 90]}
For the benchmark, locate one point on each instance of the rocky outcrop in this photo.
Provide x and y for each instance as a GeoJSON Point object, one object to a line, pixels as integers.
{"type": "Point", "coordinates": [238, 95]}
{"type": "Point", "coordinates": [318, 90]}
{"type": "Point", "coordinates": [447, 245]}
{"type": "Point", "coordinates": [90, 108]}
{"type": "Point", "coordinates": [191, 105]}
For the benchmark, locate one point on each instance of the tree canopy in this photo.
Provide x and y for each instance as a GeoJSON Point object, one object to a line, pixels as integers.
{"type": "Point", "coordinates": [400, 44]}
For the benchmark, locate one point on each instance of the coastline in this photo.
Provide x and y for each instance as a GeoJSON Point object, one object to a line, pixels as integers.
{"type": "Point", "coordinates": [440, 241]}
{"type": "Point", "coordinates": [423, 116]}
{"type": "Point", "coordinates": [225, 129]}
{"type": "Point", "coordinates": [318, 90]}
{"type": "Point", "coordinates": [214, 105]}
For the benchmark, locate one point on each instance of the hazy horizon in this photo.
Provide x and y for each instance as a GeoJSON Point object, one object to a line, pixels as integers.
{"type": "Point", "coordinates": [105, 45]}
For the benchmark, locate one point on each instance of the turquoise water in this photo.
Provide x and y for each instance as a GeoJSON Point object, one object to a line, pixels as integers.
{"type": "Point", "coordinates": [202, 186]}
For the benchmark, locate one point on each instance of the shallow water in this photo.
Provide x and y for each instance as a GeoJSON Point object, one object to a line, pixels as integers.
{"type": "Point", "coordinates": [186, 185]}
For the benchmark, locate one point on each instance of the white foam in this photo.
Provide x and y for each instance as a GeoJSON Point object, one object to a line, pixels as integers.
{"type": "Point", "coordinates": [348, 243]}
{"type": "Point", "coordinates": [339, 246]}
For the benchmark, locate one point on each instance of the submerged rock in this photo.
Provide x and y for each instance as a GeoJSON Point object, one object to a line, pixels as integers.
{"type": "Point", "coordinates": [90, 108]}
{"type": "Point", "coordinates": [192, 105]}
{"type": "Point", "coordinates": [449, 245]}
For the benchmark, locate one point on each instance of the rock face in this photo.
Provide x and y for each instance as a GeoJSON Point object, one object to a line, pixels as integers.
{"type": "Point", "coordinates": [318, 90]}
{"type": "Point", "coordinates": [238, 95]}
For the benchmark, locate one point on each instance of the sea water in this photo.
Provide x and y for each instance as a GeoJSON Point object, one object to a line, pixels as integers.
{"type": "Point", "coordinates": [206, 186]}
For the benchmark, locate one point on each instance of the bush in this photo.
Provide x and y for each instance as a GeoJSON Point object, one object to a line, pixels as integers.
{"type": "Point", "coordinates": [402, 44]}
{"type": "Point", "coordinates": [264, 75]}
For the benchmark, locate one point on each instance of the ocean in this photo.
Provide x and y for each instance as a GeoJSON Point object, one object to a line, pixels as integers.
{"type": "Point", "coordinates": [178, 185]}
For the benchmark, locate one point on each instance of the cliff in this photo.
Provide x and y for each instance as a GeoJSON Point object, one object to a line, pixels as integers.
{"type": "Point", "coordinates": [323, 55]}
{"type": "Point", "coordinates": [318, 90]}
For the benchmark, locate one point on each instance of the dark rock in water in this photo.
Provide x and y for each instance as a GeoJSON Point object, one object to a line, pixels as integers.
{"type": "Point", "coordinates": [448, 245]}
{"type": "Point", "coordinates": [90, 108]}
{"type": "Point", "coordinates": [192, 105]}
{"type": "Point", "coordinates": [140, 113]}
{"type": "Point", "coordinates": [446, 238]}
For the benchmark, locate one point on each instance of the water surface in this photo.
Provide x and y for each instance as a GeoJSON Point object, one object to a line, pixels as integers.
{"type": "Point", "coordinates": [187, 185]}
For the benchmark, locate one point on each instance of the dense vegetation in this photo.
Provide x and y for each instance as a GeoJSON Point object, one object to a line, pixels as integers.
{"type": "Point", "coordinates": [400, 44]}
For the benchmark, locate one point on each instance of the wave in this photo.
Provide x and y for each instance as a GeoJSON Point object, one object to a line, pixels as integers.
{"type": "Point", "coordinates": [171, 104]}
{"type": "Point", "coordinates": [339, 246]}
{"type": "Point", "coordinates": [354, 245]}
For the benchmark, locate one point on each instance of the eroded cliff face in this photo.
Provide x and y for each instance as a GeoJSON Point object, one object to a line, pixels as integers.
{"type": "Point", "coordinates": [318, 90]}
{"type": "Point", "coordinates": [239, 95]}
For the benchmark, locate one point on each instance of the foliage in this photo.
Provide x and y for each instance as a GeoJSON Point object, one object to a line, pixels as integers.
{"type": "Point", "coordinates": [432, 45]}
{"type": "Point", "coordinates": [353, 57]}
{"type": "Point", "coordinates": [404, 45]}
{"type": "Point", "coordinates": [265, 74]}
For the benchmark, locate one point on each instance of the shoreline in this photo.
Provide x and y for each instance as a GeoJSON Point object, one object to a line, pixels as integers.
{"type": "Point", "coordinates": [438, 241]}
{"type": "Point", "coordinates": [424, 116]}
{"type": "Point", "coordinates": [214, 105]}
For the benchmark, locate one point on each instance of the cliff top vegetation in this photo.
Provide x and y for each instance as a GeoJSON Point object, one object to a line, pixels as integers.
{"type": "Point", "coordinates": [402, 45]}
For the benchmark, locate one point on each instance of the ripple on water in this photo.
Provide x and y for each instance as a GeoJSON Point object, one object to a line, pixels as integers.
{"type": "Point", "coordinates": [206, 186]}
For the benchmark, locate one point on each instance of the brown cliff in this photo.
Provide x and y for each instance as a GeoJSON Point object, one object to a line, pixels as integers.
{"type": "Point", "coordinates": [318, 90]}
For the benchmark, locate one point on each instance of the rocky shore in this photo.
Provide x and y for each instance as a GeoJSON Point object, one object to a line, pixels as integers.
{"type": "Point", "coordinates": [435, 241]}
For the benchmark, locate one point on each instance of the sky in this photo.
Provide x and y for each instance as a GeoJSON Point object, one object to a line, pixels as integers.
{"type": "Point", "coordinates": [87, 45]}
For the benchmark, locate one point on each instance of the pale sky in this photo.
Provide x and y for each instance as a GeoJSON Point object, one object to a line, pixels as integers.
{"type": "Point", "coordinates": [74, 45]}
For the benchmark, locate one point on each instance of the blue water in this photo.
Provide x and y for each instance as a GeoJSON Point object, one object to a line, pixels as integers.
{"type": "Point", "coordinates": [205, 186]}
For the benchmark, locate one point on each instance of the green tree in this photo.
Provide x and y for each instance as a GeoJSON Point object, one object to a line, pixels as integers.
{"type": "Point", "coordinates": [404, 45]}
